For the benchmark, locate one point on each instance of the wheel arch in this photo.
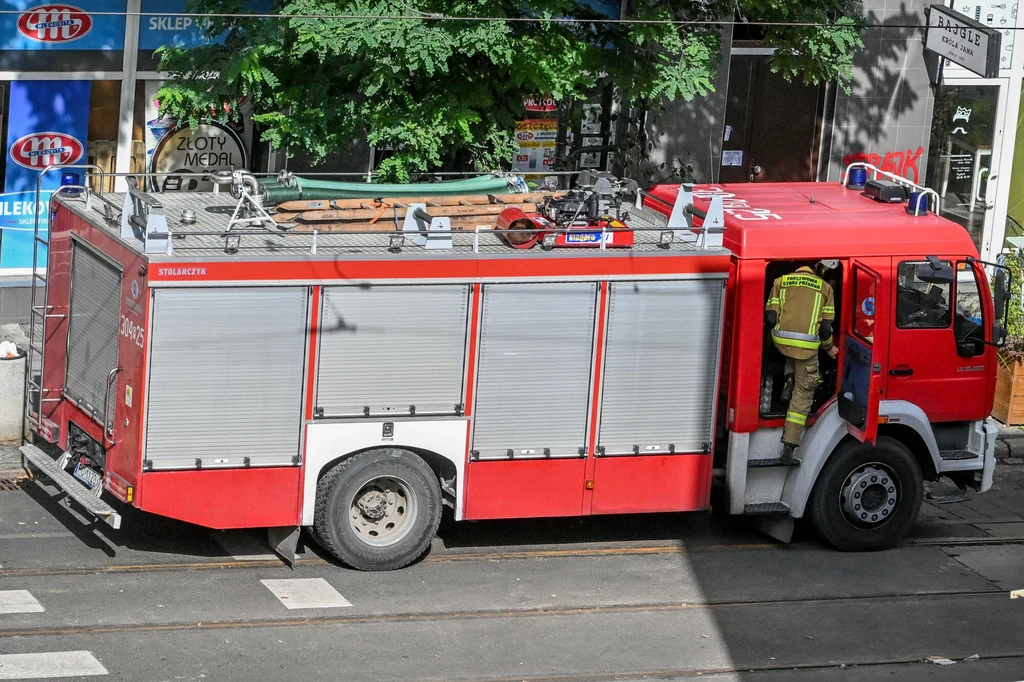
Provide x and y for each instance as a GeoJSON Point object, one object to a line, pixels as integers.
{"type": "Point", "coordinates": [440, 444]}
{"type": "Point", "coordinates": [913, 441]}
{"type": "Point", "coordinates": [909, 426]}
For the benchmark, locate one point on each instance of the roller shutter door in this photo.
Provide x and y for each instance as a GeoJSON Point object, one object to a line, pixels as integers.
{"type": "Point", "coordinates": [534, 373]}
{"type": "Point", "coordinates": [392, 350]}
{"type": "Point", "coordinates": [661, 366]}
{"type": "Point", "coordinates": [93, 323]}
{"type": "Point", "coordinates": [226, 377]}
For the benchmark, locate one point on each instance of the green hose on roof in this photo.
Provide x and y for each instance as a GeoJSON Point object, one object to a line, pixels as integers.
{"type": "Point", "coordinates": [295, 188]}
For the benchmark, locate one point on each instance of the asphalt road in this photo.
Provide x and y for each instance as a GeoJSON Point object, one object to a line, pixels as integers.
{"type": "Point", "coordinates": [618, 598]}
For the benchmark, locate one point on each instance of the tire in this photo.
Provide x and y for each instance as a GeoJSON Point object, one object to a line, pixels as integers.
{"type": "Point", "coordinates": [378, 510]}
{"type": "Point", "coordinates": [853, 510]}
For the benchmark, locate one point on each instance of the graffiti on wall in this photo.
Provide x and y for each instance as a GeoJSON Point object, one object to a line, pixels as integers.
{"type": "Point", "coordinates": [903, 164]}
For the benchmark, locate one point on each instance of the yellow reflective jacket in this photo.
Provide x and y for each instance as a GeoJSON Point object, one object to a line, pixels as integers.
{"type": "Point", "coordinates": [801, 302]}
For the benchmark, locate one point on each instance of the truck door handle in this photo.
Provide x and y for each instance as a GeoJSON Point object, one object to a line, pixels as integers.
{"type": "Point", "coordinates": [901, 371]}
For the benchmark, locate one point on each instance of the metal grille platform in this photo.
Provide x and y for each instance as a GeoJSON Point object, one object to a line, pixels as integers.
{"type": "Point", "coordinates": [207, 235]}
{"type": "Point", "coordinates": [772, 462]}
{"type": "Point", "coordinates": [766, 508]}
{"type": "Point", "coordinates": [953, 455]}
{"type": "Point", "coordinates": [69, 484]}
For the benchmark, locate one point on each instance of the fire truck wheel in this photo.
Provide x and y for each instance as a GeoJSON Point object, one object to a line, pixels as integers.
{"type": "Point", "coordinates": [378, 510]}
{"type": "Point", "coordinates": [867, 496]}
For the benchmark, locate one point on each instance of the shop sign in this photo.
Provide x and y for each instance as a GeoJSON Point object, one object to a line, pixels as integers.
{"type": "Point", "coordinates": [210, 147]}
{"type": "Point", "coordinates": [165, 23]}
{"type": "Point", "coordinates": [963, 41]}
{"type": "Point", "coordinates": [48, 125]}
{"type": "Point", "coordinates": [36, 151]}
{"type": "Point", "coordinates": [54, 23]}
{"type": "Point", "coordinates": [38, 25]}
{"type": "Point", "coordinates": [540, 103]}
{"type": "Point", "coordinates": [538, 141]}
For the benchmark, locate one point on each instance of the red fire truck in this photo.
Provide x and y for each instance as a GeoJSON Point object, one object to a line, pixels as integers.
{"type": "Point", "coordinates": [202, 363]}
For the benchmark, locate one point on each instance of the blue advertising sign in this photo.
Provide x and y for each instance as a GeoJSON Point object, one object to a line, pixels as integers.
{"type": "Point", "coordinates": [48, 125]}
{"type": "Point", "coordinates": [63, 26]}
{"type": "Point", "coordinates": [162, 24]}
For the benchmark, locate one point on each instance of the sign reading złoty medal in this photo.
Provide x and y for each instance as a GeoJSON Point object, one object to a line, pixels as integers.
{"type": "Point", "coordinates": [963, 41]}
{"type": "Point", "coordinates": [210, 147]}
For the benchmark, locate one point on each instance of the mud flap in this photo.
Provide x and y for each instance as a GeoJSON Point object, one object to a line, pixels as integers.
{"type": "Point", "coordinates": [284, 541]}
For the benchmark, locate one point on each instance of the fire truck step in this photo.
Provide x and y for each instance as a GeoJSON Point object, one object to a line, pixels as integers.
{"type": "Point", "coordinates": [957, 454]}
{"type": "Point", "coordinates": [771, 462]}
{"type": "Point", "coordinates": [69, 484]}
{"type": "Point", "coordinates": [766, 508]}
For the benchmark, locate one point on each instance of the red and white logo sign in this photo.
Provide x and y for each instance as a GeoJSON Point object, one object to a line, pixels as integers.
{"type": "Point", "coordinates": [54, 23]}
{"type": "Point", "coordinates": [39, 150]}
{"type": "Point", "coordinates": [540, 103]}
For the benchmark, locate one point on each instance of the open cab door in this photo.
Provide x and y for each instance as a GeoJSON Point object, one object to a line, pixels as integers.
{"type": "Point", "coordinates": [865, 345]}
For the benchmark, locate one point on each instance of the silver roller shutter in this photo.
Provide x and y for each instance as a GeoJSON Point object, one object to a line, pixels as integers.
{"type": "Point", "coordinates": [660, 369]}
{"type": "Point", "coordinates": [536, 351]}
{"type": "Point", "coordinates": [226, 376]}
{"type": "Point", "coordinates": [93, 323]}
{"type": "Point", "coordinates": [392, 350]}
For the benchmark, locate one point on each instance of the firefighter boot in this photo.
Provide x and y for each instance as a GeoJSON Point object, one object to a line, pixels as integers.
{"type": "Point", "coordinates": [787, 388]}
{"type": "Point", "coordinates": [787, 457]}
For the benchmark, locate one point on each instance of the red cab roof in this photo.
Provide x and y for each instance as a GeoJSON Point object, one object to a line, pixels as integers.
{"type": "Point", "coordinates": [796, 220]}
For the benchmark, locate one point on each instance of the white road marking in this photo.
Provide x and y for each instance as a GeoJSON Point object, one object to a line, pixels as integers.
{"type": "Point", "coordinates": [19, 601]}
{"type": "Point", "coordinates": [246, 546]}
{"type": "Point", "coordinates": [49, 666]}
{"type": "Point", "coordinates": [306, 593]}
{"type": "Point", "coordinates": [1017, 594]}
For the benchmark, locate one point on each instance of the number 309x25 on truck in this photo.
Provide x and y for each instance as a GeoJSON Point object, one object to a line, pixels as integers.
{"type": "Point", "coordinates": [243, 376]}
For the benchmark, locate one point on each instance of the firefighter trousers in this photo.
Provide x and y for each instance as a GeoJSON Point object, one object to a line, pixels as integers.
{"type": "Point", "coordinates": [805, 381]}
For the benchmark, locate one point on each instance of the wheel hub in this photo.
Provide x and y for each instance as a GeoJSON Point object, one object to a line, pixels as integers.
{"type": "Point", "coordinates": [383, 511]}
{"type": "Point", "coordinates": [373, 505]}
{"type": "Point", "coordinates": [870, 495]}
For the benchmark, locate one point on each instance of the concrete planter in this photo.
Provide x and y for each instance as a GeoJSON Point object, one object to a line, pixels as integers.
{"type": "Point", "coordinates": [12, 398]}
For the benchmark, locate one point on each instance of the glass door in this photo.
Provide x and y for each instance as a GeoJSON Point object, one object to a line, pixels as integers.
{"type": "Point", "coordinates": [964, 151]}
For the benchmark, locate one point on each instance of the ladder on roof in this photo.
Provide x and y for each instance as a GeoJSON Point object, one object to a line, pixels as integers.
{"type": "Point", "coordinates": [36, 395]}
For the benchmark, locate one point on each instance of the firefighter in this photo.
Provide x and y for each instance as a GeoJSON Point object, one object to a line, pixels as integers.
{"type": "Point", "coordinates": [799, 312]}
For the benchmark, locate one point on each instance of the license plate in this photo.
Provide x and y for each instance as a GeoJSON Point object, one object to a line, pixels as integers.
{"type": "Point", "coordinates": [88, 476]}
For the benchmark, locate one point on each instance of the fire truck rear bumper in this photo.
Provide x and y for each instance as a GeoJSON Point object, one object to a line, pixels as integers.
{"type": "Point", "coordinates": [75, 490]}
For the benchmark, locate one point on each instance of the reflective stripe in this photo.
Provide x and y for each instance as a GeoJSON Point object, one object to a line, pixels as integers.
{"type": "Point", "coordinates": [814, 314]}
{"type": "Point", "coordinates": [797, 336]}
{"type": "Point", "coordinates": [796, 418]}
{"type": "Point", "coordinates": [828, 310]}
{"type": "Point", "coordinates": [773, 301]}
{"type": "Point", "coordinates": [793, 343]}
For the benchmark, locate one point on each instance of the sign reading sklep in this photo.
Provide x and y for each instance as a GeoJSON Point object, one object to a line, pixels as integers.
{"type": "Point", "coordinates": [963, 41]}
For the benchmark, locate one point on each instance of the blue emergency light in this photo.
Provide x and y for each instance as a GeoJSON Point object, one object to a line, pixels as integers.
{"type": "Point", "coordinates": [71, 180]}
{"type": "Point", "coordinates": [858, 178]}
{"type": "Point", "coordinates": [917, 204]}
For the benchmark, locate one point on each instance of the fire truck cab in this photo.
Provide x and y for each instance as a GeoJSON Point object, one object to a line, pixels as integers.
{"type": "Point", "coordinates": [909, 396]}
{"type": "Point", "coordinates": [201, 361]}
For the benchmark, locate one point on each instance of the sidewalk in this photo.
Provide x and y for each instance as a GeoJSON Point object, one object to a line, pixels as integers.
{"type": "Point", "coordinates": [10, 461]}
{"type": "Point", "coordinates": [1010, 445]}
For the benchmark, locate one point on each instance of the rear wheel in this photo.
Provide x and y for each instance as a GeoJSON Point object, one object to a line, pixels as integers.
{"type": "Point", "coordinates": [867, 496]}
{"type": "Point", "coordinates": [378, 510]}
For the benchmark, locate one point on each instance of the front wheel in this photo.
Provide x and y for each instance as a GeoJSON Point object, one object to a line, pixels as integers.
{"type": "Point", "coordinates": [378, 510]}
{"type": "Point", "coordinates": [867, 496]}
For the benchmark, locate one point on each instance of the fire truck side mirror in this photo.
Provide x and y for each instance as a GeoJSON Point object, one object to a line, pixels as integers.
{"type": "Point", "coordinates": [1000, 290]}
{"type": "Point", "coordinates": [1001, 295]}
